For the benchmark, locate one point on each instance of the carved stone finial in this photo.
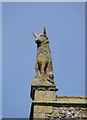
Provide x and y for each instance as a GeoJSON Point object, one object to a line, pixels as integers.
{"type": "Point", "coordinates": [44, 58]}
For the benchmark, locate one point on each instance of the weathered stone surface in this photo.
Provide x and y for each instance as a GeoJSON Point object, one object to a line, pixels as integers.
{"type": "Point", "coordinates": [59, 112]}
{"type": "Point", "coordinates": [63, 110]}
{"type": "Point", "coordinates": [69, 112]}
{"type": "Point", "coordinates": [41, 111]}
{"type": "Point", "coordinates": [39, 115]}
{"type": "Point", "coordinates": [72, 99]}
{"type": "Point", "coordinates": [45, 95]}
{"type": "Point", "coordinates": [41, 85]}
{"type": "Point", "coordinates": [36, 89]}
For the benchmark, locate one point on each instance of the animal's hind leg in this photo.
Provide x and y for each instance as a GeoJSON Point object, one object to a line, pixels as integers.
{"type": "Point", "coordinates": [36, 70]}
{"type": "Point", "coordinates": [49, 73]}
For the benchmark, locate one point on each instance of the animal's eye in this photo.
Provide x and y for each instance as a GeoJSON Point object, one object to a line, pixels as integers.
{"type": "Point", "coordinates": [41, 35]}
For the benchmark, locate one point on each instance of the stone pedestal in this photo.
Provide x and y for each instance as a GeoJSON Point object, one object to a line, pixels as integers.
{"type": "Point", "coordinates": [42, 90]}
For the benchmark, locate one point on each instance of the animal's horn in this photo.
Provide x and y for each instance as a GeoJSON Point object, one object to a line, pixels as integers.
{"type": "Point", "coordinates": [34, 34]}
{"type": "Point", "coordinates": [44, 32]}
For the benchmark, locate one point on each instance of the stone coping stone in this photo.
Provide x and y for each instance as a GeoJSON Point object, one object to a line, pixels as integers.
{"type": "Point", "coordinates": [44, 88]}
{"type": "Point", "coordinates": [72, 99]}
{"type": "Point", "coordinates": [59, 103]}
{"type": "Point", "coordinates": [55, 102]}
{"type": "Point", "coordinates": [79, 97]}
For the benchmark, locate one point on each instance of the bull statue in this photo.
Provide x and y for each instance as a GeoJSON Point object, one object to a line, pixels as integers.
{"type": "Point", "coordinates": [44, 58]}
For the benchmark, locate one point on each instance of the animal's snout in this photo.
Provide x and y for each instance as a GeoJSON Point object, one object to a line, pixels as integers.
{"type": "Point", "coordinates": [37, 41]}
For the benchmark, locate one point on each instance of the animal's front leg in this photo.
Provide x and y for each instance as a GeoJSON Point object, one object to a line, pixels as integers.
{"type": "Point", "coordinates": [42, 70]}
{"type": "Point", "coordinates": [36, 70]}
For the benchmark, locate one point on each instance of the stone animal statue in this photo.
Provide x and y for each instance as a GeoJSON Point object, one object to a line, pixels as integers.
{"type": "Point", "coordinates": [44, 58]}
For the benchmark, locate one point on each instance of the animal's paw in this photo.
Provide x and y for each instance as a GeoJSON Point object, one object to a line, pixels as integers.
{"type": "Point", "coordinates": [51, 76]}
{"type": "Point", "coordinates": [39, 76]}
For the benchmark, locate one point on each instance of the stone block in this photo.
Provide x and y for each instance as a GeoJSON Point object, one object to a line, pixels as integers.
{"type": "Point", "coordinates": [45, 95]}
{"type": "Point", "coordinates": [41, 111]}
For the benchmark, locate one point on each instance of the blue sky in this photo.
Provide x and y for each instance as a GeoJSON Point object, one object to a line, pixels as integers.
{"type": "Point", "coordinates": [65, 24]}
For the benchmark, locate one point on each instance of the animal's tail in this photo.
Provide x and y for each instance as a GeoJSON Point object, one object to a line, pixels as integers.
{"type": "Point", "coordinates": [51, 77]}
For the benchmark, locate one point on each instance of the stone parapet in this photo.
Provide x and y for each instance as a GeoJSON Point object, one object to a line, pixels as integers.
{"type": "Point", "coordinates": [61, 110]}
{"type": "Point", "coordinates": [72, 99]}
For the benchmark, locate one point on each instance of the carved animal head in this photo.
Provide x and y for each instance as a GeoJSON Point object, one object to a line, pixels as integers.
{"type": "Point", "coordinates": [41, 38]}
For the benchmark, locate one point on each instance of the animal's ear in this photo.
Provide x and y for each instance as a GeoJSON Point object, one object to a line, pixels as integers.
{"type": "Point", "coordinates": [44, 32]}
{"type": "Point", "coordinates": [34, 34]}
